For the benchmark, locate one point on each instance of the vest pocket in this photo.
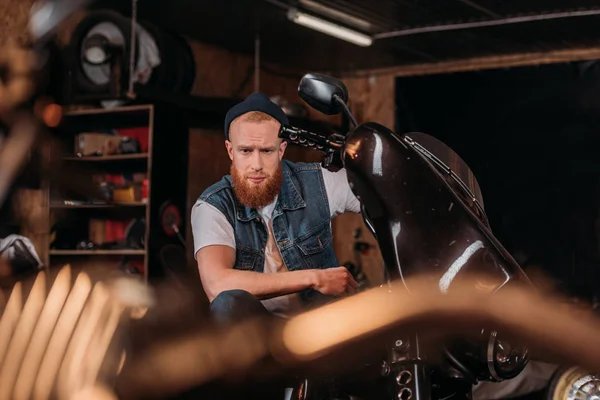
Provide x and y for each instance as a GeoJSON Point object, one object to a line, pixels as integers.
{"type": "Point", "coordinates": [316, 241]}
{"type": "Point", "coordinates": [245, 259]}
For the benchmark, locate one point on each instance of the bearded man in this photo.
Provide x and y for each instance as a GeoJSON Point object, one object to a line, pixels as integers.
{"type": "Point", "coordinates": [262, 235]}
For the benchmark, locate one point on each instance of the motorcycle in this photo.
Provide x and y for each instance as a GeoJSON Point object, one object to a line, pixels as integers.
{"type": "Point", "coordinates": [428, 219]}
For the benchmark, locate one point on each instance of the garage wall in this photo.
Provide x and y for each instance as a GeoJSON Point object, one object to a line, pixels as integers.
{"type": "Point", "coordinates": [13, 19]}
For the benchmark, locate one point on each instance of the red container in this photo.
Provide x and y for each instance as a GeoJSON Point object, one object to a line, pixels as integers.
{"type": "Point", "coordinates": [145, 191]}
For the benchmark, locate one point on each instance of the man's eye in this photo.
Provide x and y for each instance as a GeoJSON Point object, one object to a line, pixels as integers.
{"type": "Point", "coordinates": [267, 151]}
{"type": "Point", "coordinates": [245, 151]}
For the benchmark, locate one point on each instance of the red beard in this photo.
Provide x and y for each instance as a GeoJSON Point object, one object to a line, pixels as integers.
{"type": "Point", "coordinates": [256, 195]}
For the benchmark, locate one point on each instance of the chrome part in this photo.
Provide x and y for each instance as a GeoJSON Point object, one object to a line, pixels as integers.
{"type": "Point", "coordinates": [403, 377]}
{"type": "Point", "coordinates": [385, 369]}
{"type": "Point", "coordinates": [405, 394]}
{"type": "Point", "coordinates": [504, 360]}
{"type": "Point", "coordinates": [574, 383]}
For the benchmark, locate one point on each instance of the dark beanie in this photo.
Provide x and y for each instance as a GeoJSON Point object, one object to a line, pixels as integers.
{"type": "Point", "coordinates": [255, 102]}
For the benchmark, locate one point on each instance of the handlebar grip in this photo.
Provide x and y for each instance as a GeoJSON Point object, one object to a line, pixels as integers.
{"type": "Point", "coordinates": [309, 139]}
{"type": "Point", "coordinates": [331, 148]}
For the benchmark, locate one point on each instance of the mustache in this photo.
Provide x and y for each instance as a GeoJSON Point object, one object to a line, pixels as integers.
{"type": "Point", "coordinates": [248, 176]}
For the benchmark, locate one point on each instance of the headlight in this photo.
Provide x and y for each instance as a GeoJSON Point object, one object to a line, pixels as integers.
{"type": "Point", "coordinates": [488, 357]}
{"type": "Point", "coordinates": [505, 359]}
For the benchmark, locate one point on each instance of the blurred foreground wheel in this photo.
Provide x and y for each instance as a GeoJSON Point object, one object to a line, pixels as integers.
{"type": "Point", "coordinates": [574, 383]}
{"type": "Point", "coordinates": [64, 337]}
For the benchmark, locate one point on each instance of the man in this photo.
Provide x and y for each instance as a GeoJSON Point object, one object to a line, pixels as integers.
{"type": "Point", "coordinates": [262, 235]}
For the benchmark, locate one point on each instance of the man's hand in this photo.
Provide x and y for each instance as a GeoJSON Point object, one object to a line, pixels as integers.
{"type": "Point", "coordinates": [334, 281]}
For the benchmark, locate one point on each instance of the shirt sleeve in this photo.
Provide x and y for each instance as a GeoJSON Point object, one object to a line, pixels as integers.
{"type": "Point", "coordinates": [339, 195]}
{"type": "Point", "coordinates": [210, 227]}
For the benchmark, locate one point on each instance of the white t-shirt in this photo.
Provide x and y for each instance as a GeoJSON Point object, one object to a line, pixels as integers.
{"type": "Point", "coordinates": [211, 227]}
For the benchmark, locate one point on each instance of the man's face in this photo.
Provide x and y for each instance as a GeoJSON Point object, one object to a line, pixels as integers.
{"type": "Point", "coordinates": [255, 150]}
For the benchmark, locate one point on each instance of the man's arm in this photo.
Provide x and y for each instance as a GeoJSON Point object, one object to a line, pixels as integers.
{"type": "Point", "coordinates": [339, 195]}
{"type": "Point", "coordinates": [214, 242]}
{"type": "Point", "coordinates": [215, 264]}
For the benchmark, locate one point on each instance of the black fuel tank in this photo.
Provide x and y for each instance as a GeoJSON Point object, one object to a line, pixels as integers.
{"type": "Point", "coordinates": [428, 217]}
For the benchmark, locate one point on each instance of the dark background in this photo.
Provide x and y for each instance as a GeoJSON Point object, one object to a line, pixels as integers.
{"type": "Point", "coordinates": [532, 137]}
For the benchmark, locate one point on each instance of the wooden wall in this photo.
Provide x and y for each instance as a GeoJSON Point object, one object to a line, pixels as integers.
{"type": "Point", "coordinates": [14, 15]}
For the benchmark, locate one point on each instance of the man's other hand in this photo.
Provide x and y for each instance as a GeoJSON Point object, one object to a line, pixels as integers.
{"type": "Point", "coordinates": [334, 281]}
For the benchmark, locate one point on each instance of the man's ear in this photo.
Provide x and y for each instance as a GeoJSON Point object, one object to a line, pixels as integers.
{"type": "Point", "coordinates": [229, 148]}
{"type": "Point", "coordinates": [282, 148]}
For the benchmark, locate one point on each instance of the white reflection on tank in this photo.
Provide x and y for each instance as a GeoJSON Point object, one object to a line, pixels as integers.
{"type": "Point", "coordinates": [457, 265]}
{"type": "Point", "coordinates": [378, 156]}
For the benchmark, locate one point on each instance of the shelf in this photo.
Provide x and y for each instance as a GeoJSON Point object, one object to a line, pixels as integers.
{"type": "Point", "coordinates": [124, 252]}
{"type": "Point", "coordinates": [78, 214]}
{"type": "Point", "coordinates": [123, 109]}
{"type": "Point", "coordinates": [114, 205]}
{"type": "Point", "coordinates": [115, 157]}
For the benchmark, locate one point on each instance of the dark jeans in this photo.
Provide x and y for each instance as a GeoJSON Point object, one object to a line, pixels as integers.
{"type": "Point", "coordinates": [233, 306]}
{"type": "Point", "coordinates": [236, 305]}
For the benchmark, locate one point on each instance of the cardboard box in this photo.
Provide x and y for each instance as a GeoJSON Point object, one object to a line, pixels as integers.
{"type": "Point", "coordinates": [88, 144]}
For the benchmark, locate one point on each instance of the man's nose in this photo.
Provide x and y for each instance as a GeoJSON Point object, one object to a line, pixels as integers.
{"type": "Point", "coordinates": [256, 164]}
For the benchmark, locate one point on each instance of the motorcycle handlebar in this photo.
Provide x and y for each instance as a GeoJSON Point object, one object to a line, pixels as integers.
{"type": "Point", "coordinates": [331, 145]}
{"type": "Point", "coordinates": [310, 139]}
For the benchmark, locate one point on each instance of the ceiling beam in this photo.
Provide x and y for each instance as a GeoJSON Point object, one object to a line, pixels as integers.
{"type": "Point", "coordinates": [483, 63]}
{"type": "Point", "coordinates": [484, 10]}
{"type": "Point", "coordinates": [483, 24]}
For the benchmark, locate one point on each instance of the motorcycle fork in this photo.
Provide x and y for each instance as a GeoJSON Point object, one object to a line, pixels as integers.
{"type": "Point", "coordinates": [409, 376]}
{"type": "Point", "coordinates": [412, 378]}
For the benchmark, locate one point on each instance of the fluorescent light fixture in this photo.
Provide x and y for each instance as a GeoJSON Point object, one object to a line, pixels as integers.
{"type": "Point", "coordinates": [330, 28]}
{"type": "Point", "coordinates": [336, 15]}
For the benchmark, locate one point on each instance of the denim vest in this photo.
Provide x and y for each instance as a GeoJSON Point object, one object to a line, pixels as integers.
{"type": "Point", "coordinates": [301, 224]}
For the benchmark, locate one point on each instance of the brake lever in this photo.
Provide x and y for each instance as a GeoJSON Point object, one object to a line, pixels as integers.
{"type": "Point", "coordinates": [333, 161]}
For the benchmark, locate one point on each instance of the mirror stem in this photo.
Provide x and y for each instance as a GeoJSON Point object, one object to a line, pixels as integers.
{"type": "Point", "coordinates": [346, 109]}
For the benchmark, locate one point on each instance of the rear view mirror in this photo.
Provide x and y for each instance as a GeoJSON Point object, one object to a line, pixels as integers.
{"type": "Point", "coordinates": [323, 93]}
